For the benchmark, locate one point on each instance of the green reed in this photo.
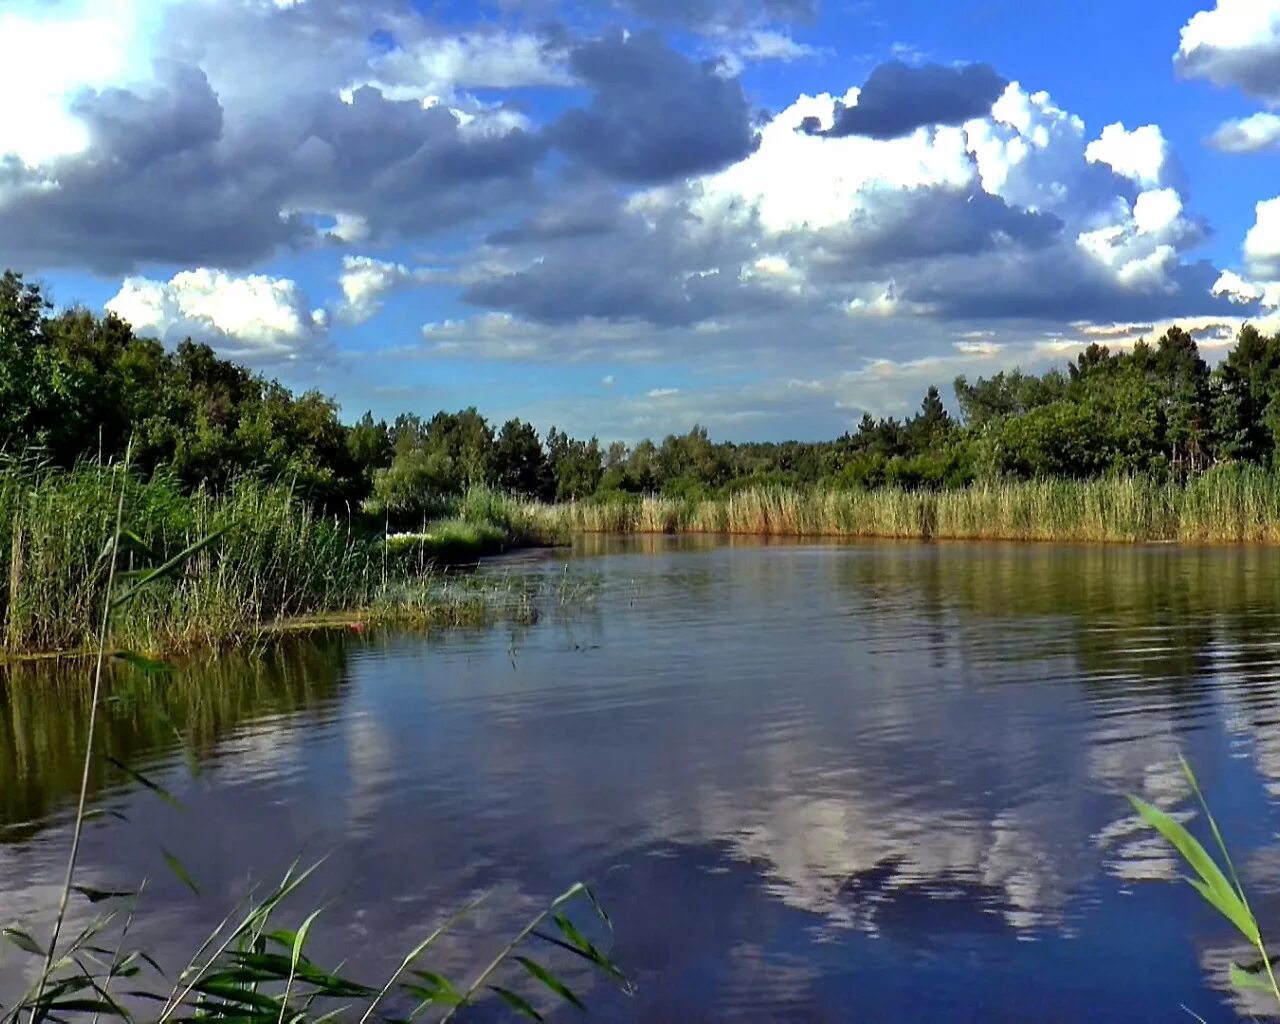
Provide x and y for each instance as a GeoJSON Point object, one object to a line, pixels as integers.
{"type": "Point", "coordinates": [249, 969]}
{"type": "Point", "coordinates": [275, 559]}
{"type": "Point", "coordinates": [1218, 885]}
{"type": "Point", "coordinates": [1230, 504]}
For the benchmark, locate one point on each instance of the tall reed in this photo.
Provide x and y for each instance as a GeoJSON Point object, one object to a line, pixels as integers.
{"type": "Point", "coordinates": [1225, 505]}
{"type": "Point", "coordinates": [274, 559]}
{"type": "Point", "coordinates": [249, 969]}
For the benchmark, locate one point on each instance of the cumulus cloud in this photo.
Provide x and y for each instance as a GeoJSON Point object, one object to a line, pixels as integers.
{"type": "Point", "coordinates": [1027, 217]}
{"type": "Point", "coordinates": [1262, 243]}
{"type": "Point", "coordinates": [168, 180]}
{"type": "Point", "coordinates": [1142, 155]}
{"type": "Point", "coordinates": [257, 318]}
{"type": "Point", "coordinates": [898, 98]}
{"type": "Point", "coordinates": [1259, 287]}
{"type": "Point", "coordinates": [1250, 134]}
{"type": "Point", "coordinates": [655, 114]}
{"type": "Point", "coordinates": [1246, 292]}
{"type": "Point", "coordinates": [366, 282]}
{"type": "Point", "coordinates": [443, 66]}
{"type": "Point", "coordinates": [1235, 44]}
{"type": "Point", "coordinates": [216, 150]}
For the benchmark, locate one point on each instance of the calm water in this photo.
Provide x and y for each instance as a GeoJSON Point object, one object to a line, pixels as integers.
{"type": "Point", "coordinates": [811, 783]}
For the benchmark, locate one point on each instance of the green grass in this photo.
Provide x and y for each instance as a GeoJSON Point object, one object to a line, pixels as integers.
{"type": "Point", "coordinates": [1226, 505]}
{"type": "Point", "coordinates": [1213, 875]}
{"type": "Point", "coordinates": [273, 560]}
{"type": "Point", "coordinates": [250, 968]}
{"type": "Point", "coordinates": [448, 540]}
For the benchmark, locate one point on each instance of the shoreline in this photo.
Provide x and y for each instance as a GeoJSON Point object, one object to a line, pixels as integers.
{"type": "Point", "coordinates": [468, 615]}
{"type": "Point", "coordinates": [1237, 505]}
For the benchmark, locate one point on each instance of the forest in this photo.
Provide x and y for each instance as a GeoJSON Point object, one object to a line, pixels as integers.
{"type": "Point", "coordinates": [77, 386]}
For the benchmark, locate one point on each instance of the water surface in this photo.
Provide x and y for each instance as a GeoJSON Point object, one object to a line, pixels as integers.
{"type": "Point", "coordinates": [872, 782]}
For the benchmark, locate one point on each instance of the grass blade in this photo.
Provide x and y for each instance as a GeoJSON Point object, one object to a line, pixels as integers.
{"type": "Point", "coordinates": [1212, 884]}
{"type": "Point", "coordinates": [516, 1003]}
{"type": "Point", "coordinates": [168, 569]}
{"type": "Point", "coordinates": [147, 666]}
{"type": "Point", "coordinates": [177, 868]}
{"type": "Point", "coordinates": [142, 780]}
{"type": "Point", "coordinates": [299, 941]}
{"type": "Point", "coordinates": [102, 895]}
{"type": "Point", "coordinates": [550, 981]}
{"type": "Point", "coordinates": [1243, 979]}
{"type": "Point", "coordinates": [22, 940]}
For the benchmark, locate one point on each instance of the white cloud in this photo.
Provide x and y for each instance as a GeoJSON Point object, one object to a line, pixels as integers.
{"type": "Point", "coordinates": [1245, 292]}
{"type": "Point", "coordinates": [349, 227]}
{"type": "Point", "coordinates": [801, 182]}
{"type": "Point", "coordinates": [765, 44]}
{"type": "Point", "coordinates": [1262, 243]}
{"type": "Point", "coordinates": [812, 198]}
{"type": "Point", "coordinates": [249, 317]}
{"type": "Point", "coordinates": [48, 52]}
{"type": "Point", "coordinates": [978, 348]}
{"type": "Point", "coordinates": [663, 392]}
{"type": "Point", "coordinates": [1247, 134]}
{"type": "Point", "coordinates": [1262, 254]}
{"type": "Point", "coordinates": [366, 282]}
{"type": "Point", "coordinates": [442, 66]}
{"type": "Point", "coordinates": [1139, 155]}
{"type": "Point", "coordinates": [1235, 44]}
{"type": "Point", "coordinates": [606, 381]}
{"type": "Point", "coordinates": [1030, 152]}
{"type": "Point", "coordinates": [1236, 288]}
{"type": "Point", "coordinates": [762, 45]}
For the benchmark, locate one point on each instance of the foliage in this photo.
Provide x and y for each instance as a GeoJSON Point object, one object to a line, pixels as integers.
{"type": "Point", "coordinates": [1218, 884]}
{"type": "Point", "coordinates": [249, 968]}
{"type": "Point", "coordinates": [274, 558]}
{"type": "Point", "coordinates": [75, 386]}
{"type": "Point", "coordinates": [1227, 504]}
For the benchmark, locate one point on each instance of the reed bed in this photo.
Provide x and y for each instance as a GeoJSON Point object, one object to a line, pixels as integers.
{"type": "Point", "coordinates": [1225, 505]}
{"type": "Point", "coordinates": [273, 560]}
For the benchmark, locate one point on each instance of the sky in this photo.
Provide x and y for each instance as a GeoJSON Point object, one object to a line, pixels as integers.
{"type": "Point", "coordinates": [624, 217]}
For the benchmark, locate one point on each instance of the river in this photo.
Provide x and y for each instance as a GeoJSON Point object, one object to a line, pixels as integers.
{"type": "Point", "coordinates": [810, 782]}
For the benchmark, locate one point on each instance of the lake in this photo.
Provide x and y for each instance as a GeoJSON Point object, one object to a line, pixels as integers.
{"type": "Point", "coordinates": [810, 782]}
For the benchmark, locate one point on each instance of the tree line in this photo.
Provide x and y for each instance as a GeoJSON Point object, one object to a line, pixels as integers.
{"type": "Point", "coordinates": [76, 385]}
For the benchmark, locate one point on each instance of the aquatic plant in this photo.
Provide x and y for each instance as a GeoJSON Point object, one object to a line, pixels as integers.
{"type": "Point", "coordinates": [248, 969]}
{"type": "Point", "coordinates": [275, 559]}
{"type": "Point", "coordinates": [1229, 504]}
{"type": "Point", "coordinates": [1218, 884]}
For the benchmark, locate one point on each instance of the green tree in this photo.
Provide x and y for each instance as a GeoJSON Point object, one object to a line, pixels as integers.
{"type": "Point", "coordinates": [1245, 385]}
{"type": "Point", "coordinates": [1185, 401]}
{"type": "Point", "coordinates": [519, 463]}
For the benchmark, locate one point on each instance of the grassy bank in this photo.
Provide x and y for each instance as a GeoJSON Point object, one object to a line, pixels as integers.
{"type": "Point", "coordinates": [1225, 505]}
{"type": "Point", "coordinates": [273, 559]}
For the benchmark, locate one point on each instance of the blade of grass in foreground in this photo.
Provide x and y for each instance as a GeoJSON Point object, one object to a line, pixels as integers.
{"type": "Point", "coordinates": [1225, 895]}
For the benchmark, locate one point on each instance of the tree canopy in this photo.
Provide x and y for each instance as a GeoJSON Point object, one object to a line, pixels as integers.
{"type": "Point", "coordinates": [74, 385]}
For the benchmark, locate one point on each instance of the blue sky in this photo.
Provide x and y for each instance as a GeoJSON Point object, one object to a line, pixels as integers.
{"type": "Point", "coordinates": [622, 217]}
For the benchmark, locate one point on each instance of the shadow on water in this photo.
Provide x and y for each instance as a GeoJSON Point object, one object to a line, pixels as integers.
{"type": "Point", "coordinates": [44, 714]}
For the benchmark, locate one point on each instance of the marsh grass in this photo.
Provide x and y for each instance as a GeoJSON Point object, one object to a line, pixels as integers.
{"type": "Point", "coordinates": [1229, 504]}
{"type": "Point", "coordinates": [274, 560]}
{"type": "Point", "coordinates": [249, 969]}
